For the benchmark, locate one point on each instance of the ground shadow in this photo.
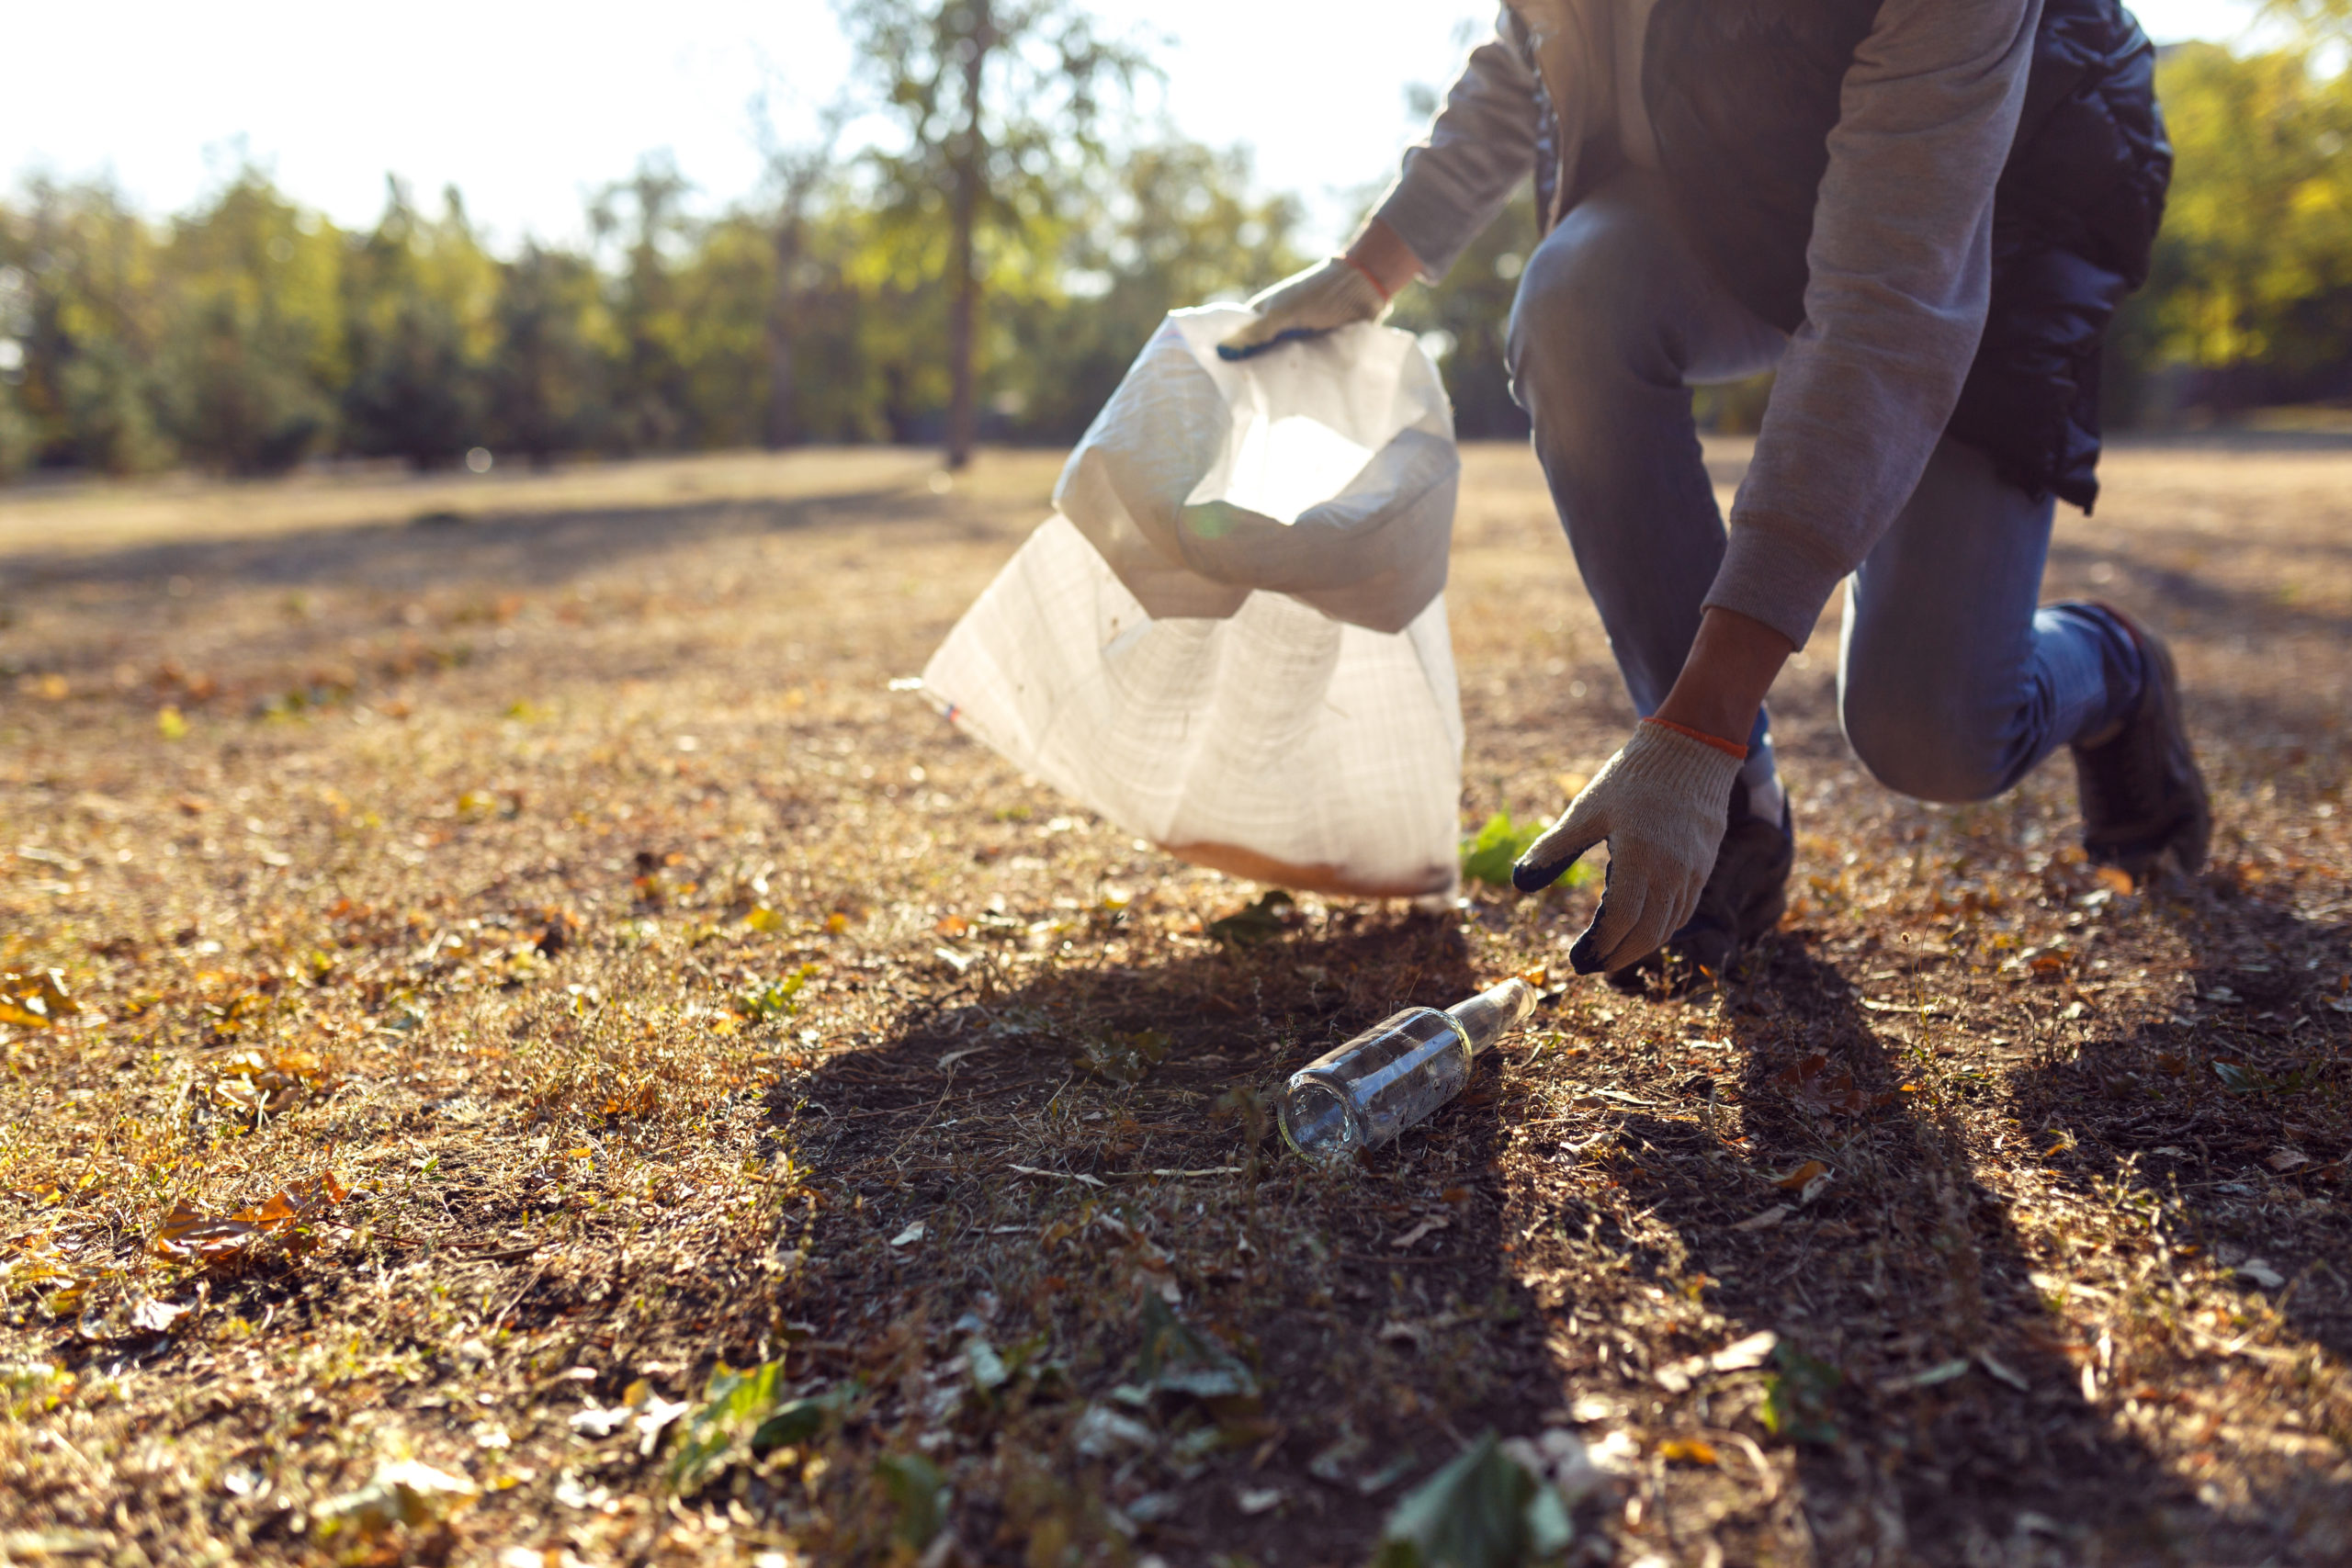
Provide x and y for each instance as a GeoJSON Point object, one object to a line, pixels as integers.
{"type": "Point", "coordinates": [2232, 1108]}
{"type": "Point", "coordinates": [525, 547]}
{"type": "Point", "coordinates": [1390, 1341]}
{"type": "Point", "coordinates": [1054, 1199]}
{"type": "Point", "coordinates": [1938, 1413]}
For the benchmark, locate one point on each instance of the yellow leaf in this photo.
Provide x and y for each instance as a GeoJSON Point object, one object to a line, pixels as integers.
{"type": "Point", "coordinates": [36, 1001]}
{"type": "Point", "coordinates": [169, 724]}
{"type": "Point", "coordinates": [836, 922]}
{"type": "Point", "coordinates": [1689, 1450]}
{"type": "Point", "coordinates": [762, 919]}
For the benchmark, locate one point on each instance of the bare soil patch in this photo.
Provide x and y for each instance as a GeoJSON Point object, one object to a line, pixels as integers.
{"type": "Point", "coordinates": [537, 894]}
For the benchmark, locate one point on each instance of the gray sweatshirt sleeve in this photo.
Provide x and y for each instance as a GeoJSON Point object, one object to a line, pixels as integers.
{"type": "Point", "coordinates": [1479, 148]}
{"type": "Point", "coordinates": [1901, 268]}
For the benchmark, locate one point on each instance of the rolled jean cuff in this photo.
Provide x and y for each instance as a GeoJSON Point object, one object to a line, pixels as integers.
{"type": "Point", "coordinates": [1774, 572]}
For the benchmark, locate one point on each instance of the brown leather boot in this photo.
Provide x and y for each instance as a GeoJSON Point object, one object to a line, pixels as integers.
{"type": "Point", "coordinates": [2143, 797]}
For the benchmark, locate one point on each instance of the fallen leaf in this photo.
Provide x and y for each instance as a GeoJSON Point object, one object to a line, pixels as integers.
{"type": "Point", "coordinates": [639, 1101]}
{"type": "Point", "coordinates": [1102, 1431]}
{"type": "Point", "coordinates": [909, 1237]}
{"type": "Point", "coordinates": [1254, 923]}
{"type": "Point", "coordinates": [1484, 1509]}
{"type": "Point", "coordinates": [1943, 1372]}
{"type": "Point", "coordinates": [1766, 1220]}
{"type": "Point", "coordinates": [2285, 1160]}
{"type": "Point", "coordinates": [187, 1236]}
{"type": "Point", "coordinates": [1428, 1226]}
{"type": "Point", "coordinates": [1796, 1180]}
{"type": "Point", "coordinates": [401, 1493]}
{"type": "Point", "coordinates": [2115, 880]}
{"type": "Point", "coordinates": [1742, 1354]}
{"type": "Point", "coordinates": [2002, 1370]}
{"type": "Point", "coordinates": [600, 1421]}
{"type": "Point", "coordinates": [1258, 1501]}
{"type": "Point", "coordinates": [1124, 1057]}
{"type": "Point", "coordinates": [1686, 1451]}
{"type": "Point", "coordinates": [156, 1317]}
{"type": "Point", "coordinates": [37, 1001]}
{"type": "Point", "coordinates": [2260, 1272]}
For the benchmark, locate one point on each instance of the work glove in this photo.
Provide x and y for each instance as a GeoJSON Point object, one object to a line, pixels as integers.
{"type": "Point", "coordinates": [1661, 803]}
{"type": "Point", "coordinates": [1335, 294]}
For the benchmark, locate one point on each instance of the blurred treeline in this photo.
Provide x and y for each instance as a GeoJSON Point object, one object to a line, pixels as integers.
{"type": "Point", "coordinates": [250, 333]}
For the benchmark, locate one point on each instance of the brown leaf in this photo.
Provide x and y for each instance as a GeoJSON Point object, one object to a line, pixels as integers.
{"type": "Point", "coordinates": [36, 1001]}
{"type": "Point", "coordinates": [639, 1101]}
{"type": "Point", "coordinates": [1797, 1180]}
{"type": "Point", "coordinates": [187, 1236]}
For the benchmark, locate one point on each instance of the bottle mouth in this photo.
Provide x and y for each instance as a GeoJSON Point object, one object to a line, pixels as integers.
{"type": "Point", "coordinates": [1314, 1119]}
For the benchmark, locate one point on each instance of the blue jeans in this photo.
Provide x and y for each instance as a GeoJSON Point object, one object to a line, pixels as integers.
{"type": "Point", "coordinates": [1951, 683]}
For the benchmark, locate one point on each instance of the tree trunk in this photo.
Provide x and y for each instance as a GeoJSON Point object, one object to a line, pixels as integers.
{"type": "Point", "coordinates": [783, 421]}
{"type": "Point", "coordinates": [964, 275]}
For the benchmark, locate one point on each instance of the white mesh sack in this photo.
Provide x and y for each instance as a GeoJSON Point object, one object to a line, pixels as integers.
{"type": "Point", "coordinates": [1231, 640]}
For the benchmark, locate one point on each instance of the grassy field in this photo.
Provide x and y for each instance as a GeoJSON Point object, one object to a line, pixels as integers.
{"type": "Point", "coordinates": [563, 1065]}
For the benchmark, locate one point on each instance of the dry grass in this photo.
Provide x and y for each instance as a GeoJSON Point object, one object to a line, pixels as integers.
{"type": "Point", "coordinates": [475, 861]}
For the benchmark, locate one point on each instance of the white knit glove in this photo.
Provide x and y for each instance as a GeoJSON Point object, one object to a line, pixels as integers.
{"type": "Point", "coordinates": [1335, 294]}
{"type": "Point", "coordinates": [1661, 803]}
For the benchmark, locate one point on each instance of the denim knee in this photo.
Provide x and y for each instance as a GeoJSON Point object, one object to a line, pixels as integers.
{"type": "Point", "coordinates": [1580, 305]}
{"type": "Point", "coordinates": [1911, 748]}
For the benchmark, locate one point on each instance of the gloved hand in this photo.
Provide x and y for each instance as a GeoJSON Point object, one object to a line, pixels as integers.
{"type": "Point", "coordinates": [1661, 803]}
{"type": "Point", "coordinates": [1335, 294]}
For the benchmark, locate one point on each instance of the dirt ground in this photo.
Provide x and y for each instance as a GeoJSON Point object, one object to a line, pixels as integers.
{"type": "Point", "coordinates": [570, 1067]}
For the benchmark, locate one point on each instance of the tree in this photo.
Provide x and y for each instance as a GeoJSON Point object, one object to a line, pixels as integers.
{"type": "Point", "coordinates": [647, 212]}
{"type": "Point", "coordinates": [1001, 103]}
{"type": "Point", "coordinates": [254, 342]}
{"type": "Point", "coordinates": [419, 297]}
{"type": "Point", "coordinates": [549, 378]}
{"type": "Point", "coordinates": [1170, 225]}
{"type": "Point", "coordinates": [86, 279]}
{"type": "Point", "coordinates": [801, 175]}
{"type": "Point", "coordinates": [2252, 279]}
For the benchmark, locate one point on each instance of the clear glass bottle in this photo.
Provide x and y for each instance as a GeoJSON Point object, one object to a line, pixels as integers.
{"type": "Point", "coordinates": [1393, 1075]}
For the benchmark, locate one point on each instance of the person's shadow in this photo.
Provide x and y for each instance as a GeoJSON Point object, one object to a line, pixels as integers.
{"type": "Point", "coordinates": [1933, 1393]}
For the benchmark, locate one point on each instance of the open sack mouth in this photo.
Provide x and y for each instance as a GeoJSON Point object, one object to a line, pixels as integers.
{"type": "Point", "coordinates": [1232, 640]}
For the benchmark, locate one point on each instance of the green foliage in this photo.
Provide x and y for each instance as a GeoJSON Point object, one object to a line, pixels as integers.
{"type": "Point", "coordinates": [1124, 1057]}
{"type": "Point", "coordinates": [1483, 1510]}
{"type": "Point", "coordinates": [777, 998]}
{"type": "Point", "coordinates": [1176, 1357]}
{"type": "Point", "coordinates": [1800, 1397]}
{"type": "Point", "coordinates": [1489, 855]}
{"type": "Point", "coordinates": [746, 1416]}
{"type": "Point", "coordinates": [918, 1498]}
{"type": "Point", "coordinates": [2251, 286]}
{"type": "Point", "coordinates": [256, 333]}
{"type": "Point", "coordinates": [248, 333]}
{"type": "Point", "coordinates": [421, 294]}
{"type": "Point", "coordinates": [1255, 923]}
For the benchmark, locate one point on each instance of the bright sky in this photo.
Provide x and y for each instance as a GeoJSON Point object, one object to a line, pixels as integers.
{"type": "Point", "coordinates": [527, 107]}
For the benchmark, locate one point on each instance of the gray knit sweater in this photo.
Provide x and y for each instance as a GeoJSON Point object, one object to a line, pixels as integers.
{"type": "Point", "coordinates": [1900, 258]}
